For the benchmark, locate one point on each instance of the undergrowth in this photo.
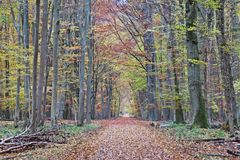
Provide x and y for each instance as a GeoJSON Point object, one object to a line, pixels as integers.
{"type": "Point", "coordinates": [73, 129]}
{"type": "Point", "coordinates": [181, 131]}
{"type": "Point", "coordinates": [8, 130]}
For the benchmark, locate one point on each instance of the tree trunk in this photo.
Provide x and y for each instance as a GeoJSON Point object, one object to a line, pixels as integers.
{"type": "Point", "coordinates": [102, 102]}
{"type": "Point", "coordinates": [43, 57]}
{"type": "Point", "coordinates": [83, 21]}
{"type": "Point", "coordinates": [47, 70]}
{"type": "Point", "coordinates": [95, 89]}
{"type": "Point", "coordinates": [56, 24]}
{"type": "Point", "coordinates": [27, 70]}
{"type": "Point", "coordinates": [18, 27]}
{"type": "Point", "coordinates": [17, 108]}
{"type": "Point", "coordinates": [174, 53]}
{"type": "Point", "coordinates": [194, 80]}
{"type": "Point", "coordinates": [109, 99]}
{"type": "Point", "coordinates": [226, 71]}
{"type": "Point", "coordinates": [7, 92]}
{"type": "Point", "coordinates": [151, 58]}
{"type": "Point", "coordinates": [35, 64]}
{"type": "Point", "coordinates": [236, 40]}
{"type": "Point", "coordinates": [90, 63]}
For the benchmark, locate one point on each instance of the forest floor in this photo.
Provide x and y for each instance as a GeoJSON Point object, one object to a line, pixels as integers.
{"type": "Point", "coordinates": [128, 139]}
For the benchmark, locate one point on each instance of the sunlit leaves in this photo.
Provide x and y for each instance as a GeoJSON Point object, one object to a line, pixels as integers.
{"type": "Point", "coordinates": [214, 4]}
{"type": "Point", "coordinates": [197, 62]}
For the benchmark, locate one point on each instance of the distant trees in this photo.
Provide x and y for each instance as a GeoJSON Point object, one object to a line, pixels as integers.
{"type": "Point", "coordinates": [172, 55]}
{"type": "Point", "coordinates": [183, 46]}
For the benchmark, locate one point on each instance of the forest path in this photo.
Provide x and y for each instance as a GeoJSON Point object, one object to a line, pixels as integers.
{"type": "Point", "coordinates": [126, 139]}
{"type": "Point", "coordinates": [129, 142]}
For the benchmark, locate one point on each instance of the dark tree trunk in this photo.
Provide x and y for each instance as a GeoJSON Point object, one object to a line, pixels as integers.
{"type": "Point", "coordinates": [194, 80]}
{"type": "Point", "coordinates": [109, 99]}
{"type": "Point", "coordinates": [226, 71]}
{"type": "Point", "coordinates": [43, 57]}
{"type": "Point", "coordinates": [27, 70]}
{"type": "Point", "coordinates": [56, 22]}
{"type": "Point", "coordinates": [90, 63]}
{"type": "Point", "coordinates": [35, 64]}
{"type": "Point", "coordinates": [102, 102]}
{"type": "Point", "coordinates": [151, 58]}
{"type": "Point", "coordinates": [47, 70]}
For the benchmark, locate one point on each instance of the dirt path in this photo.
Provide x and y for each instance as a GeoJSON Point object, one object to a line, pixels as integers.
{"type": "Point", "coordinates": [129, 142]}
{"type": "Point", "coordinates": [127, 139]}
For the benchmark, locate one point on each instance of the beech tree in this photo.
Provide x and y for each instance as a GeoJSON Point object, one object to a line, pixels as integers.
{"type": "Point", "coordinates": [35, 66]}
{"type": "Point", "coordinates": [56, 22]}
{"type": "Point", "coordinates": [194, 80]}
{"type": "Point", "coordinates": [226, 70]}
{"type": "Point", "coordinates": [43, 60]}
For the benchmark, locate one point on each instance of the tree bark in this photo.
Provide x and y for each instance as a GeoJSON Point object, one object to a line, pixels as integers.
{"type": "Point", "coordinates": [90, 63]}
{"type": "Point", "coordinates": [47, 70]}
{"type": "Point", "coordinates": [194, 81]}
{"type": "Point", "coordinates": [27, 70]}
{"type": "Point", "coordinates": [109, 99]}
{"type": "Point", "coordinates": [18, 28]}
{"type": "Point", "coordinates": [56, 24]}
{"type": "Point", "coordinates": [174, 53]}
{"type": "Point", "coordinates": [35, 64]}
{"type": "Point", "coordinates": [83, 22]}
{"type": "Point", "coordinates": [102, 102]}
{"type": "Point", "coordinates": [151, 58]}
{"type": "Point", "coordinates": [226, 70]}
{"type": "Point", "coordinates": [43, 57]}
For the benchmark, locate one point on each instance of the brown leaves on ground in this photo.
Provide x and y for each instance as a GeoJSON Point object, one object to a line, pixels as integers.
{"type": "Point", "coordinates": [131, 139]}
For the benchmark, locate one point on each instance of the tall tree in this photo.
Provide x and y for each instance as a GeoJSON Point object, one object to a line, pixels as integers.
{"type": "Point", "coordinates": [27, 67]}
{"type": "Point", "coordinates": [56, 17]}
{"type": "Point", "coordinates": [83, 23]}
{"type": "Point", "coordinates": [90, 62]}
{"type": "Point", "coordinates": [151, 58]}
{"type": "Point", "coordinates": [175, 53]}
{"type": "Point", "coordinates": [17, 25]}
{"type": "Point", "coordinates": [35, 64]}
{"type": "Point", "coordinates": [225, 65]}
{"type": "Point", "coordinates": [194, 79]}
{"type": "Point", "coordinates": [43, 57]}
{"type": "Point", "coordinates": [47, 67]}
{"type": "Point", "coordinates": [235, 29]}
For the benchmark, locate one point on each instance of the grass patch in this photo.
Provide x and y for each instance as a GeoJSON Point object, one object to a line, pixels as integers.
{"type": "Point", "coordinates": [8, 130]}
{"type": "Point", "coordinates": [181, 131]}
{"type": "Point", "coordinates": [74, 129]}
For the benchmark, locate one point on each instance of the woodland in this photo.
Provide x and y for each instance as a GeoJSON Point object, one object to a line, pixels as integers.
{"type": "Point", "coordinates": [119, 79]}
